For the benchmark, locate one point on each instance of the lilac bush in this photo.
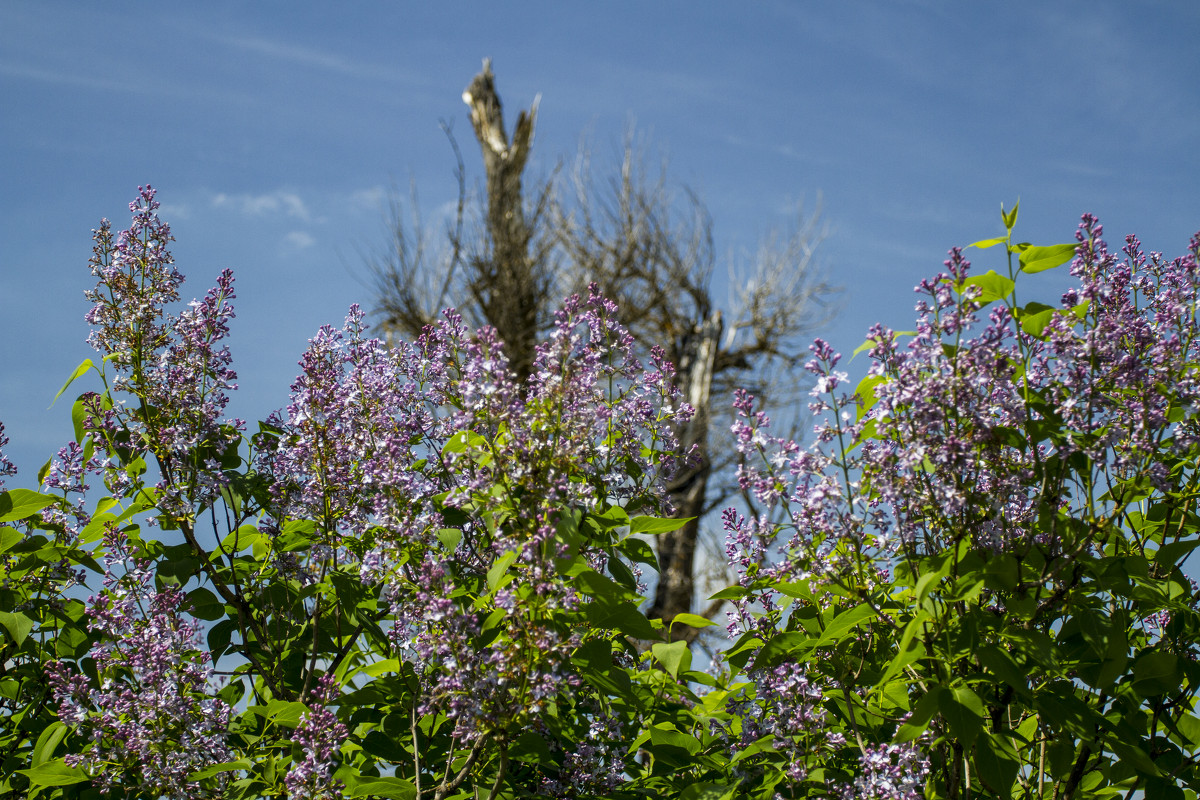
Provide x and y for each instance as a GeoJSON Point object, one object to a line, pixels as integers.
{"type": "Point", "coordinates": [423, 578]}
{"type": "Point", "coordinates": [980, 528]}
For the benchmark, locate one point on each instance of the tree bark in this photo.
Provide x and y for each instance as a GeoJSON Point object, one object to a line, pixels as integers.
{"type": "Point", "coordinates": [677, 549]}
{"type": "Point", "coordinates": [507, 289]}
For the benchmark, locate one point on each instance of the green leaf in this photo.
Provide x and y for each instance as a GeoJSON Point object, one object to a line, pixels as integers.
{"type": "Point", "coordinates": [789, 643]}
{"type": "Point", "coordinates": [621, 616]}
{"type": "Point", "coordinates": [1010, 217]}
{"type": "Point", "coordinates": [78, 418]}
{"type": "Point", "coordinates": [463, 441]}
{"type": "Point", "coordinates": [205, 605]}
{"type": "Point", "coordinates": [18, 504]}
{"type": "Point", "coordinates": [675, 656]}
{"type": "Point", "coordinates": [48, 742]}
{"type": "Point", "coordinates": [865, 392]}
{"type": "Point", "coordinates": [500, 569]}
{"type": "Point", "coordinates": [666, 733]}
{"type": "Point", "coordinates": [997, 762]}
{"type": "Point", "coordinates": [708, 791]}
{"type": "Point", "coordinates": [449, 537]}
{"type": "Point", "coordinates": [1002, 665]}
{"type": "Point", "coordinates": [384, 667]}
{"type": "Point", "coordinates": [243, 538]}
{"type": "Point", "coordinates": [1189, 727]}
{"type": "Point", "coordinates": [1156, 673]}
{"type": "Point", "coordinates": [281, 712]}
{"type": "Point", "coordinates": [657, 525]}
{"type": "Point", "coordinates": [1035, 317]}
{"type": "Point", "coordinates": [9, 538]}
{"type": "Point", "coordinates": [1134, 755]}
{"type": "Point", "coordinates": [918, 720]}
{"type": "Point", "coordinates": [595, 664]}
{"type": "Point", "coordinates": [392, 788]}
{"type": "Point", "coordinates": [845, 622]}
{"type": "Point", "coordinates": [908, 651]}
{"type": "Point", "coordinates": [1172, 553]}
{"type": "Point", "coordinates": [54, 773]}
{"type": "Point", "coordinates": [1039, 259]}
{"type": "Point", "coordinates": [963, 711]}
{"type": "Point", "coordinates": [695, 620]}
{"type": "Point", "coordinates": [638, 550]}
{"type": "Point", "coordinates": [731, 593]}
{"type": "Point", "coordinates": [984, 244]}
{"type": "Point", "coordinates": [81, 369]}
{"type": "Point", "coordinates": [994, 286]}
{"type": "Point", "coordinates": [17, 624]}
{"type": "Point", "coordinates": [531, 748]}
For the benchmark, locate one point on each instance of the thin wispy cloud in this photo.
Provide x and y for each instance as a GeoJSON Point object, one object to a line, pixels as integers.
{"type": "Point", "coordinates": [299, 240]}
{"type": "Point", "coordinates": [272, 203]}
{"type": "Point", "coordinates": [28, 73]}
{"type": "Point", "coordinates": [315, 59]}
{"type": "Point", "coordinates": [371, 198]}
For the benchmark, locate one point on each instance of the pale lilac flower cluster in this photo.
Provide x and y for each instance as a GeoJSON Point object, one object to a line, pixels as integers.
{"type": "Point", "coordinates": [320, 736]}
{"type": "Point", "coordinates": [594, 766]}
{"type": "Point", "coordinates": [609, 411]}
{"type": "Point", "coordinates": [176, 365]}
{"type": "Point", "coordinates": [889, 772]}
{"type": "Point", "coordinates": [151, 718]}
{"type": "Point", "coordinates": [387, 449]}
{"type": "Point", "coordinates": [1119, 377]}
{"type": "Point", "coordinates": [787, 710]}
{"type": "Point", "coordinates": [68, 474]}
{"type": "Point", "coordinates": [7, 468]}
{"type": "Point", "coordinates": [351, 435]}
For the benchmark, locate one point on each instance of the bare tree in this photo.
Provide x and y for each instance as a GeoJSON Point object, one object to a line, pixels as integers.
{"type": "Point", "coordinates": [653, 255]}
{"type": "Point", "coordinates": [649, 250]}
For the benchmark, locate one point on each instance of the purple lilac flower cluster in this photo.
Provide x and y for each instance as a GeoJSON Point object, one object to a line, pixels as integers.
{"type": "Point", "coordinates": [787, 711]}
{"type": "Point", "coordinates": [594, 767]}
{"type": "Point", "coordinates": [176, 365]}
{"type": "Point", "coordinates": [889, 772]}
{"type": "Point", "coordinates": [7, 468]}
{"type": "Point", "coordinates": [319, 736]}
{"type": "Point", "coordinates": [382, 446]}
{"type": "Point", "coordinates": [68, 474]}
{"type": "Point", "coordinates": [150, 717]}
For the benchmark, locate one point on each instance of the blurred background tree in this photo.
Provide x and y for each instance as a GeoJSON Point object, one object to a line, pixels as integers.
{"type": "Point", "coordinates": [509, 258]}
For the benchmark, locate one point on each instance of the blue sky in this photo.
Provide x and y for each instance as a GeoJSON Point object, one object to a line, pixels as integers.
{"type": "Point", "coordinates": [274, 131]}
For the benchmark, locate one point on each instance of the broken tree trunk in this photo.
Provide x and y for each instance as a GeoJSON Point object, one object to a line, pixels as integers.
{"type": "Point", "coordinates": [677, 549]}
{"type": "Point", "coordinates": [506, 287]}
